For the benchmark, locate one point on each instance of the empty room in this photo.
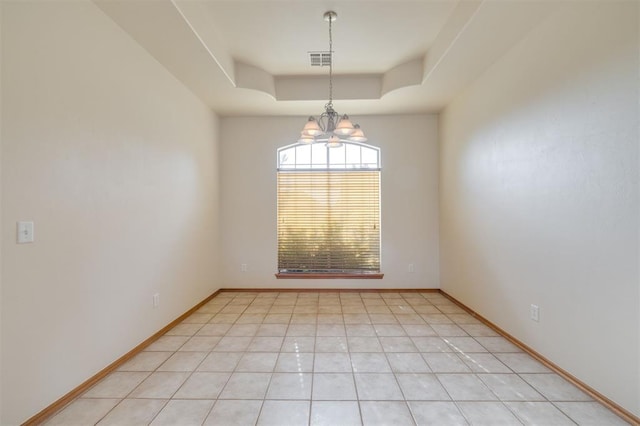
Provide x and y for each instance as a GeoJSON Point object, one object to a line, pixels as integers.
{"type": "Point", "coordinates": [286, 212]}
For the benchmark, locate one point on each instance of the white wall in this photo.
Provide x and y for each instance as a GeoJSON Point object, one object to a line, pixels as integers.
{"type": "Point", "coordinates": [539, 195]}
{"type": "Point", "coordinates": [116, 163]}
{"type": "Point", "coordinates": [409, 200]}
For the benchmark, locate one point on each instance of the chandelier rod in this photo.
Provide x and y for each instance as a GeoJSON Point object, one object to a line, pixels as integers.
{"type": "Point", "coordinates": [330, 104]}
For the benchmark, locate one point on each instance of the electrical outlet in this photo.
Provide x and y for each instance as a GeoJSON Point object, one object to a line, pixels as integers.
{"type": "Point", "coordinates": [411, 268]}
{"type": "Point", "coordinates": [156, 300]}
{"type": "Point", "coordinates": [535, 313]}
{"type": "Point", "coordinates": [243, 267]}
{"type": "Point", "coordinates": [25, 232]}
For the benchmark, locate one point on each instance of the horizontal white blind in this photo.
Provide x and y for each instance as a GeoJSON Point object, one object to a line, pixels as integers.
{"type": "Point", "coordinates": [329, 221]}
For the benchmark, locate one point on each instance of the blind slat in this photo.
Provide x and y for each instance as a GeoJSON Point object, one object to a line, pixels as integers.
{"type": "Point", "coordinates": [329, 221]}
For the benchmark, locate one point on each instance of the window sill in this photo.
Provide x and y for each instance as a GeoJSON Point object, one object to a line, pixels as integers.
{"type": "Point", "coordinates": [316, 275]}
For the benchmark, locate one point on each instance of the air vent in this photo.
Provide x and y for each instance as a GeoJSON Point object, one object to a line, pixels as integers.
{"type": "Point", "coordinates": [320, 59]}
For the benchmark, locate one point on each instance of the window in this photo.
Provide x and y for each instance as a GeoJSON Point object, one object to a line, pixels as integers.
{"type": "Point", "coordinates": [329, 210]}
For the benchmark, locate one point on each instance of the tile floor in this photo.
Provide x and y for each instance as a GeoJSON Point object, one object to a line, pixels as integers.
{"type": "Point", "coordinates": [348, 358]}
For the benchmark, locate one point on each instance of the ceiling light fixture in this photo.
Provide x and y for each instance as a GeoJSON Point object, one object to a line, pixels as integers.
{"type": "Point", "coordinates": [331, 127]}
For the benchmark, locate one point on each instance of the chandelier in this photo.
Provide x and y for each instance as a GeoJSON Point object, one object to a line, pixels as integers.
{"type": "Point", "coordinates": [331, 127]}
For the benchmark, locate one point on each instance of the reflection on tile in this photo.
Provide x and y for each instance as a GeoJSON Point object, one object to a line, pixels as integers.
{"type": "Point", "coordinates": [294, 363]}
{"type": "Point", "coordinates": [331, 413]}
{"type": "Point", "coordinates": [429, 413]}
{"type": "Point", "coordinates": [445, 362]}
{"type": "Point", "coordinates": [483, 363]}
{"type": "Point", "coordinates": [497, 344]}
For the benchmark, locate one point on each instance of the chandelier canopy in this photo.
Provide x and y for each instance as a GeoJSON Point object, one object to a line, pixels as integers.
{"type": "Point", "coordinates": [331, 127]}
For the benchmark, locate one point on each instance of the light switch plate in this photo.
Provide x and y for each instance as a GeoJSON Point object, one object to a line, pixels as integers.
{"type": "Point", "coordinates": [25, 232]}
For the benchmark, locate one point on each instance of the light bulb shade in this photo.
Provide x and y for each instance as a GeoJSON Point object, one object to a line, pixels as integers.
{"type": "Point", "coordinates": [306, 138]}
{"type": "Point", "coordinates": [334, 142]}
{"type": "Point", "coordinates": [357, 135]}
{"type": "Point", "coordinates": [344, 126]}
{"type": "Point", "coordinates": [311, 128]}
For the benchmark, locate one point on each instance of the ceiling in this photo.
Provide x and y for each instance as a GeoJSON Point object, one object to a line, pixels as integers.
{"type": "Point", "coordinates": [246, 57]}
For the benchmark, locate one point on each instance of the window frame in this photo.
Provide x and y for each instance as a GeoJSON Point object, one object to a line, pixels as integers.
{"type": "Point", "coordinates": [365, 151]}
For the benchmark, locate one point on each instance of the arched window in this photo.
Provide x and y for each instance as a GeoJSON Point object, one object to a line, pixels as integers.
{"type": "Point", "coordinates": [329, 209]}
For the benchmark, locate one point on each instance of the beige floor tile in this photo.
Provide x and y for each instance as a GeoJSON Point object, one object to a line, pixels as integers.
{"type": "Point", "coordinates": [385, 413]}
{"type": "Point", "coordinates": [360, 330]}
{"type": "Point", "coordinates": [183, 413]}
{"type": "Point", "coordinates": [298, 344]}
{"type": "Point", "coordinates": [555, 388]}
{"type": "Point", "coordinates": [478, 330]}
{"type": "Point", "coordinates": [589, 414]}
{"type": "Point", "coordinates": [465, 387]}
{"type": "Point", "coordinates": [419, 330]}
{"type": "Point", "coordinates": [214, 330]}
{"type": "Point", "coordinates": [301, 330]}
{"type": "Point", "coordinates": [332, 413]}
{"type": "Point", "coordinates": [258, 362]}
{"type": "Point", "coordinates": [389, 330]}
{"type": "Point", "coordinates": [331, 344]}
{"type": "Point", "coordinates": [116, 385]}
{"type": "Point", "coordinates": [483, 363]}
{"type": "Point", "coordinates": [398, 344]}
{"type": "Point", "coordinates": [330, 330]}
{"type": "Point", "coordinates": [243, 330]}
{"type": "Point", "coordinates": [272, 330]}
{"type": "Point", "coordinates": [203, 386]}
{"type": "Point", "coordinates": [421, 387]}
{"type": "Point", "coordinates": [184, 330]}
{"type": "Point", "coordinates": [539, 413]}
{"type": "Point", "coordinates": [200, 344]}
{"type": "Point", "coordinates": [510, 387]}
{"type": "Point", "coordinates": [167, 343]}
{"type": "Point", "coordinates": [83, 412]}
{"type": "Point", "coordinates": [232, 344]}
{"type": "Point", "coordinates": [437, 319]}
{"type": "Point", "coordinates": [246, 386]}
{"type": "Point", "coordinates": [220, 361]}
{"type": "Point", "coordinates": [332, 363]}
{"type": "Point", "coordinates": [183, 361]}
{"type": "Point", "coordinates": [428, 413]}
{"type": "Point", "coordinates": [431, 344]}
{"type": "Point", "coordinates": [378, 387]}
{"type": "Point", "coordinates": [198, 319]}
{"type": "Point", "coordinates": [407, 362]}
{"type": "Point", "coordinates": [160, 385]}
{"type": "Point", "coordinates": [290, 386]}
{"type": "Point", "coordinates": [284, 413]}
{"type": "Point", "coordinates": [364, 344]}
{"type": "Point", "coordinates": [265, 344]}
{"type": "Point", "coordinates": [234, 413]}
{"type": "Point", "coordinates": [370, 363]}
{"type": "Point", "coordinates": [133, 412]}
{"type": "Point", "coordinates": [497, 344]}
{"type": "Point", "coordinates": [488, 414]}
{"type": "Point", "coordinates": [334, 387]}
{"type": "Point", "coordinates": [295, 362]}
{"type": "Point", "coordinates": [445, 362]}
{"type": "Point", "coordinates": [522, 363]}
{"type": "Point", "coordinates": [464, 344]}
{"type": "Point", "coordinates": [145, 361]}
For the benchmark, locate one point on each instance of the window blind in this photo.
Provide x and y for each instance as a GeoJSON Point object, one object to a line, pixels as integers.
{"type": "Point", "coordinates": [329, 221]}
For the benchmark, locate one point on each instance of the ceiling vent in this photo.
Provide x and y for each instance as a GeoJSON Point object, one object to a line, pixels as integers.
{"type": "Point", "coordinates": [320, 59]}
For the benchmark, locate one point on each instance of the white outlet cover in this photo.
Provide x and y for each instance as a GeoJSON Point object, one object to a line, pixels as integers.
{"type": "Point", "coordinates": [25, 232]}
